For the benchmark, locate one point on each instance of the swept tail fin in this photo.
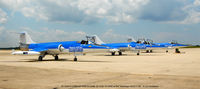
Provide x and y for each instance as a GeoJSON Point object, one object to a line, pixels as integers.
{"type": "Point", "coordinates": [131, 39]}
{"type": "Point", "coordinates": [25, 40]}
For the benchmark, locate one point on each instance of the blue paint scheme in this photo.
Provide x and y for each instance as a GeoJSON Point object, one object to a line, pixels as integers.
{"type": "Point", "coordinates": [38, 47]}
{"type": "Point", "coordinates": [125, 45]}
{"type": "Point", "coordinates": [141, 45]}
{"type": "Point", "coordinates": [116, 45]}
{"type": "Point", "coordinates": [168, 45]}
{"type": "Point", "coordinates": [76, 49]}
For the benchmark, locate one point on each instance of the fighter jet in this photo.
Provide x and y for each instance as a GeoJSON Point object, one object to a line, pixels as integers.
{"type": "Point", "coordinates": [29, 47]}
{"type": "Point", "coordinates": [132, 45]}
{"type": "Point", "coordinates": [118, 47]}
{"type": "Point", "coordinates": [152, 46]}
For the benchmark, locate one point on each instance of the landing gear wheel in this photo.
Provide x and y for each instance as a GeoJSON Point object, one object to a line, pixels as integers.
{"type": "Point", "coordinates": [138, 53]}
{"type": "Point", "coordinates": [177, 50]}
{"type": "Point", "coordinates": [147, 51]}
{"type": "Point", "coordinates": [113, 53]}
{"type": "Point", "coordinates": [151, 51]}
{"type": "Point", "coordinates": [40, 58]}
{"type": "Point", "coordinates": [75, 59]}
{"type": "Point", "coordinates": [120, 53]}
{"type": "Point", "coordinates": [166, 51]}
{"type": "Point", "coordinates": [56, 57]}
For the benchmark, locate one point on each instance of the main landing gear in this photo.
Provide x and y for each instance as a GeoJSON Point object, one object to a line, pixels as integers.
{"type": "Point", "coordinates": [138, 53]}
{"type": "Point", "coordinates": [149, 51]}
{"type": "Point", "coordinates": [56, 57]}
{"type": "Point", "coordinates": [75, 58]}
{"type": "Point", "coordinates": [177, 50]}
{"type": "Point", "coordinates": [120, 53]}
{"type": "Point", "coordinates": [113, 53]}
{"type": "Point", "coordinates": [40, 58]}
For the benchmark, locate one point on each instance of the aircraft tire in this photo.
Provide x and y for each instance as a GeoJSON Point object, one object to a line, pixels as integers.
{"type": "Point", "coordinates": [56, 57]}
{"type": "Point", "coordinates": [147, 51]}
{"type": "Point", "coordinates": [113, 53]}
{"type": "Point", "coordinates": [151, 51]}
{"type": "Point", "coordinates": [138, 53]}
{"type": "Point", "coordinates": [120, 53]}
{"type": "Point", "coordinates": [177, 50]}
{"type": "Point", "coordinates": [75, 59]}
{"type": "Point", "coordinates": [40, 58]}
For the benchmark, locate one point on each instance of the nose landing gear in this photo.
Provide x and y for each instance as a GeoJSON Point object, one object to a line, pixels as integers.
{"type": "Point", "coordinates": [56, 57]}
{"type": "Point", "coordinates": [75, 58]}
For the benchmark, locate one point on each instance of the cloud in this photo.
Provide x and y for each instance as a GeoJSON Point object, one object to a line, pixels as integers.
{"type": "Point", "coordinates": [163, 10]}
{"type": "Point", "coordinates": [111, 36]}
{"type": "Point", "coordinates": [110, 11]}
{"type": "Point", "coordinates": [197, 2]}
{"type": "Point", "coordinates": [193, 11]}
{"type": "Point", "coordinates": [169, 36]}
{"type": "Point", "coordinates": [3, 16]}
{"type": "Point", "coordinates": [172, 11]}
{"type": "Point", "coordinates": [8, 38]}
{"type": "Point", "coordinates": [54, 35]}
{"type": "Point", "coordinates": [115, 11]}
{"type": "Point", "coordinates": [77, 11]}
{"type": "Point", "coordinates": [1, 28]}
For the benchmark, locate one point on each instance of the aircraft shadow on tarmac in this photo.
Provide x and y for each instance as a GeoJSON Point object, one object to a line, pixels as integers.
{"type": "Point", "coordinates": [66, 60]}
{"type": "Point", "coordinates": [142, 54]}
{"type": "Point", "coordinates": [114, 55]}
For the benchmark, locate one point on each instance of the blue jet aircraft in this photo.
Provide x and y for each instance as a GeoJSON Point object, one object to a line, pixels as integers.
{"type": "Point", "coordinates": [137, 46]}
{"type": "Point", "coordinates": [29, 47]}
{"type": "Point", "coordinates": [167, 46]}
{"type": "Point", "coordinates": [118, 47]}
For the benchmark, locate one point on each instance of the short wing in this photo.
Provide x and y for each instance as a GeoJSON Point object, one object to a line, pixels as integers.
{"type": "Point", "coordinates": [39, 50]}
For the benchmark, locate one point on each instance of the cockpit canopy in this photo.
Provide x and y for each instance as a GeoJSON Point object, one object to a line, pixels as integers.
{"type": "Point", "coordinates": [84, 42]}
{"type": "Point", "coordinates": [144, 41]}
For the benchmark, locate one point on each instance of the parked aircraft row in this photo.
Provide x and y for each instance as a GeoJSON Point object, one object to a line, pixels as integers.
{"type": "Point", "coordinates": [141, 44]}
{"type": "Point", "coordinates": [92, 44]}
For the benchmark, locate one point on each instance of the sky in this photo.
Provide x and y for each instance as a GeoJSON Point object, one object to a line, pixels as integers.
{"type": "Point", "coordinates": [111, 20]}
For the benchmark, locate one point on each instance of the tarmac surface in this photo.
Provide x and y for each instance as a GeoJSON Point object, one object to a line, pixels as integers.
{"type": "Point", "coordinates": [158, 70]}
